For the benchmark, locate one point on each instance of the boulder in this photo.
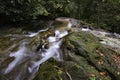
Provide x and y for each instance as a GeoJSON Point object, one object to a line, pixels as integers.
{"type": "Point", "coordinates": [84, 58]}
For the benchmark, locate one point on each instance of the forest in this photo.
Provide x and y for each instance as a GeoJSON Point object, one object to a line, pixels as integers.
{"type": "Point", "coordinates": [100, 13]}
{"type": "Point", "coordinates": [59, 39]}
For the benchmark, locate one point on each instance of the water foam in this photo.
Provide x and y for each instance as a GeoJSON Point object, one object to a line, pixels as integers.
{"type": "Point", "coordinates": [32, 34]}
{"type": "Point", "coordinates": [33, 64]}
{"type": "Point", "coordinates": [18, 55]}
{"type": "Point", "coordinates": [53, 51]}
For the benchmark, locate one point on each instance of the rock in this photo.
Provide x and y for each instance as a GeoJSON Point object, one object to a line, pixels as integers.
{"type": "Point", "coordinates": [108, 40]}
{"type": "Point", "coordinates": [96, 60]}
{"type": "Point", "coordinates": [84, 57]}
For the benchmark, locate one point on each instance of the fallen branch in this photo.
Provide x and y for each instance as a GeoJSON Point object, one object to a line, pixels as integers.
{"type": "Point", "coordinates": [68, 75]}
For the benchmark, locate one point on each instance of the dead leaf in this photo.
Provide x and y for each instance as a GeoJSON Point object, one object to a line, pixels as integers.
{"type": "Point", "coordinates": [102, 73]}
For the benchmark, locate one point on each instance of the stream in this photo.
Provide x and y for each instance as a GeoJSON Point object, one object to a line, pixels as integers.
{"type": "Point", "coordinates": [23, 54]}
{"type": "Point", "coordinates": [25, 62]}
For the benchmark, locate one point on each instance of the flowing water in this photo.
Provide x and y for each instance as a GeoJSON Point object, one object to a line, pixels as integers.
{"type": "Point", "coordinates": [19, 55]}
{"type": "Point", "coordinates": [32, 34]}
{"type": "Point", "coordinates": [26, 62]}
{"type": "Point", "coordinates": [26, 53]}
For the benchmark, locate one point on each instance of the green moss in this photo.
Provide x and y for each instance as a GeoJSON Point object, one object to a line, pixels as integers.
{"type": "Point", "coordinates": [85, 50]}
{"type": "Point", "coordinates": [49, 71]}
{"type": "Point", "coordinates": [86, 40]}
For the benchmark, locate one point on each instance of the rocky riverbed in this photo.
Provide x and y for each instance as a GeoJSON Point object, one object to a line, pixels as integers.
{"type": "Point", "coordinates": [66, 50]}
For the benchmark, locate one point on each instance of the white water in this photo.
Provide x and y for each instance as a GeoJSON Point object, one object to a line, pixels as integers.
{"type": "Point", "coordinates": [107, 38]}
{"type": "Point", "coordinates": [32, 34]}
{"type": "Point", "coordinates": [51, 52]}
{"type": "Point", "coordinates": [32, 65]}
{"type": "Point", "coordinates": [52, 39]}
{"type": "Point", "coordinates": [59, 34]}
{"type": "Point", "coordinates": [117, 35]}
{"type": "Point", "coordinates": [18, 55]}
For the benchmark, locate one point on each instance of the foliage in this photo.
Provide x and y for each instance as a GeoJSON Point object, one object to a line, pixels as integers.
{"type": "Point", "coordinates": [92, 78]}
{"type": "Point", "coordinates": [22, 9]}
{"type": "Point", "coordinates": [103, 13]}
{"type": "Point", "coordinates": [31, 9]}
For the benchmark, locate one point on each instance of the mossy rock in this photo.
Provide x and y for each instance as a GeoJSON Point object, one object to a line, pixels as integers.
{"type": "Point", "coordinates": [85, 49]}
{"type": "Point", "coordinates": [84, 59]}
{"type": "Point", "coordinates": [39, 40]}
{"type": "Point", "coordinates": [48, 71]}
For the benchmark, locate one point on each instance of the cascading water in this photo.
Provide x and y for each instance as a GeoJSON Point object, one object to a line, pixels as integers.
{"type": "Point", "coordinates": [32, 34]}
{"type": "Point", "coordinates": [52, 51]}
{"type": "Point", "coordinates": [26, 65]}
{"type": "Point", "coordinates": [19, 55]}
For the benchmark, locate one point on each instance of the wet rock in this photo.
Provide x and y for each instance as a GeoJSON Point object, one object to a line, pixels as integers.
{"type": "Point", "coordinates": [84, 57]}
{"type": "Point", "coordinates": [96, 60]}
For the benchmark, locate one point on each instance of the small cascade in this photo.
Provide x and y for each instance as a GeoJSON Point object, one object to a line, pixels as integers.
{"type": "Point", "coordinates": [85, 29]}
{"type": "Point", "coordinates": [27, 62]}
{"type": "Point", "coordinates": [19, 55]}
{"type": "Point", "coordinates": [32, 34]}
{"type": "Point", "coordinates": [59, 34]}
{"type": "Point", "coordinates": [51, 52]}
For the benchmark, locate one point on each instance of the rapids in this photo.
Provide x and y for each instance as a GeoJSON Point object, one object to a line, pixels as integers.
{"type": "Point", "coordinates": [26, 62]}
{"type": "Point", "coordinates": [21, 61]}
{"type": "Point", "coordinates": [32, 34]}
{"type": "Point", "coordinates": [52, 51]}
{"type": "Point", "coordinates": [19, 55]}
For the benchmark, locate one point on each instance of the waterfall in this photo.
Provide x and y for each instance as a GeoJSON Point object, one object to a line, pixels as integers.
{"type": "Point", "coordinates": [25, 69]}
{"type": "Point", "coordinates": [85, 29]}
{"type": "Point", "coordinates": [52, 51]}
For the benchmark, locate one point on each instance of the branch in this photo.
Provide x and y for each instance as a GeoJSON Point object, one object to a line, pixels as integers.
{"type": "Point", "coordinates": [68, 75]}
